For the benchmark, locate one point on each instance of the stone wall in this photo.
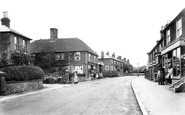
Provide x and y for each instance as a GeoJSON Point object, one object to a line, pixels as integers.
{"type": "Point", "coordinates": [11, 88]}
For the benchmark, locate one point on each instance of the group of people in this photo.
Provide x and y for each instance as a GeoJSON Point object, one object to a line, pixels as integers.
{"type": "Point", "coordinates": [165, 78]}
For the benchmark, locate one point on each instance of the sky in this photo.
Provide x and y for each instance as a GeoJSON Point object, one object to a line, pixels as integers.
{"type": "Point", "coordinates": [129, 28]}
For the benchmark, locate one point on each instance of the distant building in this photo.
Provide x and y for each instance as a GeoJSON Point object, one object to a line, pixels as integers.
{"type": "Point", "coordinates": [71, 53]}
{"type": "Point", "coordinates": [15, 40]}
{"type": "Point", "coordinates": [113, 64]}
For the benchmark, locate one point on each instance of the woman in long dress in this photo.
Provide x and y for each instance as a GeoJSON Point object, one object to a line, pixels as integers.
{"type": "Point", "coordinates": [75, 78]}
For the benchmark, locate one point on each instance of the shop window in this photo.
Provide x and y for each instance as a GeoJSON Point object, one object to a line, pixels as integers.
{"type": "Point", "coordinates": [176, 62]}
{"type": "Point", "coordinates": [179, 28]}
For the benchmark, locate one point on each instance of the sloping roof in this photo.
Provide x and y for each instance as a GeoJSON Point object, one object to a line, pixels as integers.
{"type": "Point", "coordinates": [110, 57]}
{"type": "Point", "coordinates": [61, 45]}
{"type": "Point", "coordinates": [4, 28]}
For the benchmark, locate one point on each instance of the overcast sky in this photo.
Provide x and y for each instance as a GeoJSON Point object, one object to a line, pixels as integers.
{"type": "Point", "coordinates": [130, 28]}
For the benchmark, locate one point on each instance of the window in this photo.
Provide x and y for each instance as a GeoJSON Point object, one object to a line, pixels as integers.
{"type": "Point", "coordinates": [16, 43]}
{"type": "Point", "coordinates": [112, 61]}
{"type": "Point", "coordinates": [77, 56]}
{"type": "Point", "coordinates": [112, 68]}
{"type": "Point", "coordinates": [179, 28]}
{"type": "Point", "coordinates": [94, 59]}
{"type": "Point", "coordinates": [23, 43]}
{"type": "Point", "coordinates": [89, 57]}
{"type": "Point", "coordinates": [168, 39]}
{"type": "Point", "coordinates": [176, 62]}
{"type": "Point", "coordinates": [107, 67]}
{"type": "Point", "coordinates": [59, 56]}
{"type": "Point", "coordinates": [78, 69]}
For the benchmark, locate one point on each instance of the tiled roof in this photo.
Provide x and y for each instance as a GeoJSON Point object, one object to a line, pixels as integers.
{"type": "Point", "coordinates": [4, 28]}
{"type": "Point", "coordinates": [61, 45]}
{"type": "Point", "coordinates": [110, 57]}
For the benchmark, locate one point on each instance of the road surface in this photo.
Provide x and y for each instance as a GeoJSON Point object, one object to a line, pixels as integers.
{"type": "Point", "coordinates": [109, 96]}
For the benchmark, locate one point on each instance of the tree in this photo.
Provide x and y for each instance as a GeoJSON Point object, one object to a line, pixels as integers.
{"type": "Point", "coordinates": [46, 57]}
{"type": "Point", "coordinates": [4, 43]}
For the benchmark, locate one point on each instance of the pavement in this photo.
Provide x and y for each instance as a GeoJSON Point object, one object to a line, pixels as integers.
{"type": "Point", "coordinates": [46, 87]}
{"type": "Point", "coordinates": [157, 99]}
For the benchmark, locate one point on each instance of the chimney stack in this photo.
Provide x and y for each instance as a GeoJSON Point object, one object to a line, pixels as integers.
{"type": "Point", "coordinates": [107, 53]}
{"type": "Point", "coordinates": [5, 20]}
{"type": "Point", "coordinates": [113, 55]}
{"type": "Point", "coordinates": [53, 34]}
{"type": "Point", "coordinates": [124, 59]}
{"type": "Point", "coordinates": [102, 54]}
{"type": "Point", "coordinates": [119, 57]}
{"type": "Point", "coordinates": [128, 60]}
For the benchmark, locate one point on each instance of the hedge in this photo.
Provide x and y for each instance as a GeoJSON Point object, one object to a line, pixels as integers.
{"type": "Point", "coordinates": [23, 73]}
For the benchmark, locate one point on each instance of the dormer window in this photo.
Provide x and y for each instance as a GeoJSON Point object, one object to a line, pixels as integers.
{"type": "Point", "coordinates": [168, 38]}
{"type": "Point", "coordinates": [179, 28]}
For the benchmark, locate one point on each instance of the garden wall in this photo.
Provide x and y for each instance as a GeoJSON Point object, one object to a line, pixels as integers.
{"type": "Point", "coordinates": [11, 88]}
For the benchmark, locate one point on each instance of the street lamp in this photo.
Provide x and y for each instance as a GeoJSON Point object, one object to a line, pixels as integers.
{"type": "Point", "coordinates": [138, 69]}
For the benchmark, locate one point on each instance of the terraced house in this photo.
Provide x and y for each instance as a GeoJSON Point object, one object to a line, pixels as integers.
{"type": "Point", "coordinates": [170, 48]}
{"type": "Point", "coordinates": [113, 64]}
{"type": "Point", "coordinates": [70, 53]}
{"type": "Point", "coordinates": [14, 40]}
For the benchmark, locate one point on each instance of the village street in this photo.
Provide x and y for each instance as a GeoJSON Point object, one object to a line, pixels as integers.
{"type": "Point", "coordinates": [99, 97]}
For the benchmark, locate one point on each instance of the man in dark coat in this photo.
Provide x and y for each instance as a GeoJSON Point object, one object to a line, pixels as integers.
{"type": "Point", "coordinates": [161, 76]}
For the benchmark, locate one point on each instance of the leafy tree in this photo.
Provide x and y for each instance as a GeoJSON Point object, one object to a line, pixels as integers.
{"type": "Point", "coordinates": [4, 43]}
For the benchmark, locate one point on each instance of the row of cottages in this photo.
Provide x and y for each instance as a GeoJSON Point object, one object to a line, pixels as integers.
{"type": "Point", "coordinates": [15, 41]}
{"type": "Point", "coordinates": [113, 64]}
{"type": "Point", "coordinates": [70, 53]}
{"type": "Point", "coordinates": [170, 48]}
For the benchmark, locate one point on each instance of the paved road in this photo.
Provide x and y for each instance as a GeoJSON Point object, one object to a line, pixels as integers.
{"type": "Point", "coordinates": [110, 96]}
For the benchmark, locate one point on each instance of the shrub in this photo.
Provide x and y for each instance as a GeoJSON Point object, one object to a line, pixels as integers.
{"type": "Point", "coordinates": [23, 73]}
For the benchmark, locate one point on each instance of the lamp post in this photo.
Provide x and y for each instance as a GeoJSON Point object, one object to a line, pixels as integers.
{"type": "Point", "coordinates": [138, 69]}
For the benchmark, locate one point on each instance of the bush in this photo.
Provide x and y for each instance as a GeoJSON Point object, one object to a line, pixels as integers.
{"type": "Point", "coordinates": [110, 74]}
{"type": "Point", "coordinates": [23, 73]}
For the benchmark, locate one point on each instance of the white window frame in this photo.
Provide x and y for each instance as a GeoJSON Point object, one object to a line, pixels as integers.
{"type": "Point", "coordinates": [77, 56]}
{"type": "Point", "coordinates": [179, 28]}
{"type": "Point", "coordinates": [168, 36]}
{"type": "Point", "coordinates": [15, 42]}
{"type": "Point", "coordinates": [78, 69]}
{"type": "Point", "coordinates": [89, 57]}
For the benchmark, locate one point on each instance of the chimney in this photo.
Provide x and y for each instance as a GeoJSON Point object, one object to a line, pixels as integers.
{"type": "Point", "coordinates": [124, 59]}
{"type": "Point", "coordinates": [119, 57]}
{"type": "Point", "coordinates": [5, 20]}
{"type": "Point", "coordinates": [128, 60]}
{"type": "Point", "coordinates": [113, 55]}
{"type": "Point", "coordinates": [53, 34]}
{"type": "Point", "coordinates": [102, 54]}
{"type": "Point", "coordinates": [107, 53]}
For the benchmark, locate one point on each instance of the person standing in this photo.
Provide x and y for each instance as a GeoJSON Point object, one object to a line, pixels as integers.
{"type": "Point", "coordinates": [170, 73]}
{"type": "Point", "coordinates": [75, 78]}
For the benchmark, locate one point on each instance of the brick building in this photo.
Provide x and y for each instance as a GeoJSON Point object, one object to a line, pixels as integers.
{"type": "Point", "coordinates": [15, 40]}
{"type": "Point", "coordinates": [170, 48]}
{"type": "Point", "coordinates": [70, 53]}
{"type": "Point", "coordinates": [113, 64]}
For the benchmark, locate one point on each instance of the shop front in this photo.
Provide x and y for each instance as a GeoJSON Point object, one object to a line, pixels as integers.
{"type": "Point", "coordinates": [176, 57]}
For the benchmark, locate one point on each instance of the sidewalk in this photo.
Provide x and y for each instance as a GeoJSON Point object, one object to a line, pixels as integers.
{"type": "Point", "coordinates": [157, 99]}
{"type": "Point", "coordinates": [46, 87]}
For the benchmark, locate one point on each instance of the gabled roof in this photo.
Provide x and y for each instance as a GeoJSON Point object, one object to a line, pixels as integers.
{"type": "Point", "coordinates": [4, 28]}
{"type": "Point", "coordinates": [61, 45]}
